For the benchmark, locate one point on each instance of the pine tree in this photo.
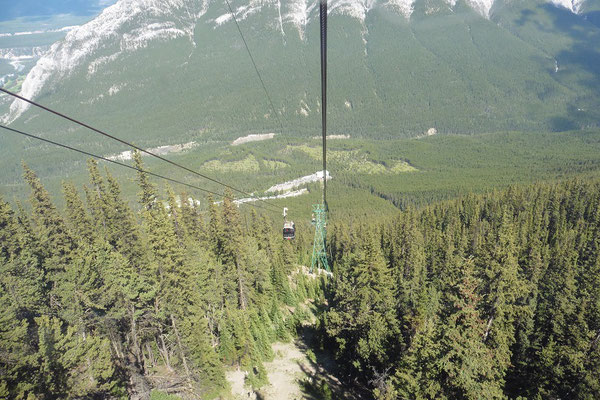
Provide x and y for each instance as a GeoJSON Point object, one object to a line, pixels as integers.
{"type": "Point", "coordinates": [256, 268]}
{"type": "Point", "coordinates": [55, 240]}
{"type": "Point", "coordinates": [215, 227]}
{"type": "Point", "coordinates": [71, 367]}
{"type": "Point", "coordinates": [203, 356]}
{"type": "Point", "coordinates": [175, 215]}
{"type": "Point", "coordinates": [96, 198]}
{"type": "Point", "coordinates": [502, 291]}
{"type": "Point", "coordinates": [235, 271]}
{"type": "Point", "coordinates": [52, 373]}
{"type": "Point", "coordinates": [407, 263]}
{"type": "Point", "coordinates": [83, 294]}
{"type": "Point", "coordinates": [21, 292]}
{"type": "Point", "coordinates": [362, 319]}
{"type": "Point", "coordinates": [419, 373]}
{"type": "Point", "coordinates": [466, 364]}
{"type": "Point", "coordinates": [124, 234]}
{"type": "Point", "coordinates": [172, 274]}
{"type": "Point", "coordinates": [562, 336]}
{"type": "Point", "coordinates": [191, 219]}
{"type": "Point", "coordinates": [148, 195]}
{"type": "Point", "coordinates": [9, 241]}
{"type": "Point", "coordinates": [21, 272]}
{"type": "Point", "coordinates": [76, 214]}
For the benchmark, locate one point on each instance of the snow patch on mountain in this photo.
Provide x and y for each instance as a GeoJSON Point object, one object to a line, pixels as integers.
{"type": "Point", "coordinates": [299, 14]}
{"type": "Point", "coordinates": [222, 19]}
{"type": "Point", "coordinates": [304, 108]}
{"type": "Point", "coordinates": [405, 7]}
{"type": "Point", "coordinates": [360, 8]}
{"type": "Point", "coordinates": [280, 18]}
{"type": "Point", "coordinates": [572, 5]}
{"type": "Point", "coordinates": [352, 8]}
{"type": "Point", "coordinates": [114, 89]}
{"type": "Point", "coordinates": [98, 62]}
{"type": "Point", "coordinates": [141, 37]}
{"type": "Point", "coordinates": [83, 41]}
{"type": "Point", "coordinates": [16, 64]}
{"type": "Point", "coordinates": [482, 7]}
{"type": "Point", "coordinates": [241, 12]}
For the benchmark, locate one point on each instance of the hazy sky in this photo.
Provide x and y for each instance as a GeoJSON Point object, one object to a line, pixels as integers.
{"type": "Point", "coordinates": [10, 9]}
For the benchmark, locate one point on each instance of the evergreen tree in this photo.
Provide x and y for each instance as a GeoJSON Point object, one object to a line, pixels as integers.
{"type": "Point", "coordinates": [419, 373]}
{"type": "Point", "coordinates": [362, 318]}
{"type": "Point", "coordinates": [124, 233]}
{"type": "Point", "coordinates": [148, 195]}
{"type": "Point", "coordinates": [562, 336]}
{"type": "Point", "coordinates": [21, 291]}
{"type": "Point", "coordinates": [96, 198]}
{"type": "Point", "coordinates": [467, 370]}
{"type": "Point", "coordinates": [502, 290]}
{"type": "Point", "coordinates": [175, 215]}
{"type": "Point", "coordinates": [215, 227]}
{"type": "Point", "coordinates": [191, 219]}
{"type": "Point", "coordinates": [236, 275]}
{"type": "Point", "coordinates": [76, 214]}
{"type": "Point", "coordinates": [55, 240]}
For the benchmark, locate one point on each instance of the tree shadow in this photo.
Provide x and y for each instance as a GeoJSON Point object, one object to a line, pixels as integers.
{"type": "Point", "coordinates": [323, 378]}
{"type": "Point", "coordinates": [577, 65]}
{"type": "Point", "coordinates": [583, 54]}
{"type": "Point", "coordinates": [593, 17]}
{"type": "Point", "coordinates": [585, 51]}
{"type": "Point", "coordinates": [562, 124]}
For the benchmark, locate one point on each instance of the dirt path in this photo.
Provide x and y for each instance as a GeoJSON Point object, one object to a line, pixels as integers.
{"type": "Point", "coordinates": [293, 376]}
{"type": "Point", "coordinates": [285, 372]}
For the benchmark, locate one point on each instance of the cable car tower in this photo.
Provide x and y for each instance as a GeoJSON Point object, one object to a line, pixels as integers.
{"type": "Point", "coordinates": [319, 255]}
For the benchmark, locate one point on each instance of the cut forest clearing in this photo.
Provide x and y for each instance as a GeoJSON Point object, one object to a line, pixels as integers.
{"type": "Point", "coordinates": [294, 374]}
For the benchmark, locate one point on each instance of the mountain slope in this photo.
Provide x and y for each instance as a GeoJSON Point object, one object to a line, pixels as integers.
{"type": "Point", "coordinates": [148, 68]}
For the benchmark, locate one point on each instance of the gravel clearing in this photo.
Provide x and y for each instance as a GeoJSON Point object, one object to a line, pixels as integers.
{"type": "Point", "coordinates": [284, 372]}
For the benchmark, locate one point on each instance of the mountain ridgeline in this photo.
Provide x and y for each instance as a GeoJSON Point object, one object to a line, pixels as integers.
{"type": "Point", "coordinates": [397, 69]}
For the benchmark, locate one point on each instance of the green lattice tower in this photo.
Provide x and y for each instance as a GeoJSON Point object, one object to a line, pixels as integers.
{"type": "Point", "coordinates": [319, 255]}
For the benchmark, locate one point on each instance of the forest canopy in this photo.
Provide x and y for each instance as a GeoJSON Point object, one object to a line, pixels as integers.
{"type": "Point", "coordinates": [485, 296]}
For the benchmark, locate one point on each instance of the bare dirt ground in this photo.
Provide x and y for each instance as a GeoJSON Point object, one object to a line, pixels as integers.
{"type": "Point", "coordinates": [285, 372]}
{"type": "Point", "coordinates": [294, 376]}
{"type": "Point", "coordinates": [252, 138]}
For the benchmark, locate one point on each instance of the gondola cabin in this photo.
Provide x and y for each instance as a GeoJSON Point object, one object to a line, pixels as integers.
{"type": "Point", "coordinates": [289, 230]}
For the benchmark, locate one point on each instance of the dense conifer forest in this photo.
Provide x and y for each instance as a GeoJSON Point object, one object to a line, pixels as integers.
{"type": "Point", "coordinates": [97, 299]}
{"type": "Point", "coordinates": [483, 297]}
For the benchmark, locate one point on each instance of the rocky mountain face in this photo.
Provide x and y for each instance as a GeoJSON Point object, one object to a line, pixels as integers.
{"type": "Point", "coordinates": [397, 67]}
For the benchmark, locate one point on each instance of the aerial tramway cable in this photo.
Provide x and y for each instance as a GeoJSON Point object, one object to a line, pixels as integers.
{"type": "Point", "coordinates": [131, 145]}
{"type": "Point", "coordinates": [122, 164]}
{"type": "Point", "coordinates": [323, 20]}
{"type": "Point", "coordinates": [320, 211]}
{"type": "Point", "coordinates": [262, 82]}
